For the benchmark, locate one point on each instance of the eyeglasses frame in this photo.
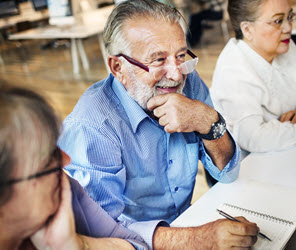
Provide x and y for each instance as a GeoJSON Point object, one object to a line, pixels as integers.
{"type": "Point", "coordinates": [40, 174]}
{"type": "Point", "coordinates": [279, 27]}
{"type": "Point", "coordinates": [144, 67]}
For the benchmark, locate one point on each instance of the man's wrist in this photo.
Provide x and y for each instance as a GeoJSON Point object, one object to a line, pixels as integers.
{"type": "Point", "coordinates": [217, 129]}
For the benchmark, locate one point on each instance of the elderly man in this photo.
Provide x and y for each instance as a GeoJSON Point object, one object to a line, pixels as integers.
{"type": "Point", "coordinates": [135, 138]}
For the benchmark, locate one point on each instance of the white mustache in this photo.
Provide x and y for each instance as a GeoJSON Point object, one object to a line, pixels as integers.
{"type": "Point", "coordinates": [167, 84]}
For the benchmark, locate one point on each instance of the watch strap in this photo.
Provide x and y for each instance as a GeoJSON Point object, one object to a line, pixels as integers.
{"type": "Point", "coordinates": [217, 130]}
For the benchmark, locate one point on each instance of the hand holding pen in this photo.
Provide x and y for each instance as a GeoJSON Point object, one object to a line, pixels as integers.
{"type": "Point", "coordinates": [234, 219]}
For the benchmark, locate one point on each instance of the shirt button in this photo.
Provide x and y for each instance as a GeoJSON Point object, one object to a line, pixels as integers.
{"type": "Point", "coordinates": [176, 189]}
{"type": "Point", "coordinates": [178, 213]}
{"type": "Point", "coordinates": [170, 161]}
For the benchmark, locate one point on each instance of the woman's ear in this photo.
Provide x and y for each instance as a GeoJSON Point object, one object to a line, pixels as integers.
{"type": "Point", "coordinates": [247, 30]}
{"type": "Point", "coordinates": [115, 66]}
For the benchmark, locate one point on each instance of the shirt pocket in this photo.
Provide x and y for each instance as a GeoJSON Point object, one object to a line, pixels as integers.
{"type": "Point", "coordinates": [192, 157]}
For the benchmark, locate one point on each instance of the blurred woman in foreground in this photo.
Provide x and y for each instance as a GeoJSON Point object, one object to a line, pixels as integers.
{"type": "Point", "coordinates": [35, 194]}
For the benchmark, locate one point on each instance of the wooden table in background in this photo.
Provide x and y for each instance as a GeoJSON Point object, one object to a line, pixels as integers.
{"type": "Point", "coordinates": [93, 24]}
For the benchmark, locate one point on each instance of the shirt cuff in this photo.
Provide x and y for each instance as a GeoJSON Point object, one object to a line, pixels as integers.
{"type": "Point", "coordinates": [146, 229]}
{"type": "Point", "coordinates": [230, 172]}
{"type": "Point", "coordinates": [138, 245]}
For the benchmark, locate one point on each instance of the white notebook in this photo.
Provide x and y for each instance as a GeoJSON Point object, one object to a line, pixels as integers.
{"type": "Point", "coordinates": [277, 229]}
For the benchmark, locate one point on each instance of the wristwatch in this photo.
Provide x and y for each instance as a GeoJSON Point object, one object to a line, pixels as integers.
{"type": "Point", "coordinates": [217, 130]}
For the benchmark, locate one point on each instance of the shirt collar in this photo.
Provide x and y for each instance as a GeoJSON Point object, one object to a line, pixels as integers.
{"type": "Point", "coordinates": [260, 65]}
{"type": "Point", "coordinates": [133, 110]}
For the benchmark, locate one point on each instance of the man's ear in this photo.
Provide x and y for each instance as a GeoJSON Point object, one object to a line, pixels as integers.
{"type": "Point", "coordinates": [247, 30]}
{"type": "Point", "coordinates": [115, 66]}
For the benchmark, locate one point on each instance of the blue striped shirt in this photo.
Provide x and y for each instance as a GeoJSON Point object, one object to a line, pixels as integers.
{"type": "Point", "coordinates": [128, 163]}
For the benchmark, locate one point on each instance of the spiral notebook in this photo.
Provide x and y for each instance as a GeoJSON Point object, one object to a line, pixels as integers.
{"type": "Point", "coordinates": [277, 229]}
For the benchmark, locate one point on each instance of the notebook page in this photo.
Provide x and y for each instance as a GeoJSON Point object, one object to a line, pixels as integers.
{"type": "Point", "coordinates": [264, 198]}
{"type": "Point", "coordinates": [278, 231]}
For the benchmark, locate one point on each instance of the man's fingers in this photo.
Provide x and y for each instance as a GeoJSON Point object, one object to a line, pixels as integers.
{"type": "Point", "coordinates": [163, 121]}
{"type": "Point", "coordinates": [244, 228]}
{"type": "Point", "coordinates": [157, 101]}
{"type": "Point", "coordinates": [243, 241]}
{"type": "Point", "coordinates": [159, 111]}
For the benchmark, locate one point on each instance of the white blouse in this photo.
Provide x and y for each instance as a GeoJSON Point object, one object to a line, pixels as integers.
{"type": "Point", "coordinates": [252, 94]}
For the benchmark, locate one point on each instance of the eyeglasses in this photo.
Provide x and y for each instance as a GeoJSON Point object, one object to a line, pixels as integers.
{"type": "Point", "coordinates": [279, 23]}
{"type": "Point", "coordinates": [55, 155]}
{"type": "Point", "coordinates": [185, 67]}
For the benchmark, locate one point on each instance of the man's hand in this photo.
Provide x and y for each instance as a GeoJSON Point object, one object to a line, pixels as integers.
{"type": "Point", "coordinates": [290, 116]}
{"type": "Point", "coordinates": [229, 234]}
{"type": "Point", "coordinates": [219, 234]}
{"type": "Point", "coordinates": [177, 113]}
{"type": "Point", "coordinates": [59, 233]}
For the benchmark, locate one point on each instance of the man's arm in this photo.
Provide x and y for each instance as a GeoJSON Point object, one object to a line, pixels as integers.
{"type": "Point", "coordinates": [221, 233]}
{"type": "Point", "coordinates": [221, 150]}
{"type": "Point", "coordinates": [177, 113]}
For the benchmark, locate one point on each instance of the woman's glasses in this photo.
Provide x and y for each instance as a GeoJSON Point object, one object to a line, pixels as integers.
{"type": "Point", "coordinates": [280, 22]}
{"type": "Point", "coordinates": [56, 155]}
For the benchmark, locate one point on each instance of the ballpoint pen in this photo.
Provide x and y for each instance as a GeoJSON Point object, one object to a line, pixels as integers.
{"type": "Point", "coordinates": [234, 219]}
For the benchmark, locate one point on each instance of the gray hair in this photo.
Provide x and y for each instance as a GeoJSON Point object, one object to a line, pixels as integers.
{"type": "Point", "coordinates": [114, 39]}
{"type": "Point", "coordinates": [243, 10]}
{"type": "Point", "coordinates": [29, 130]}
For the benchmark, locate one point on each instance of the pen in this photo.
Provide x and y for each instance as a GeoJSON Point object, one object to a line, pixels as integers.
{"type": "Point", "coordinates": [234, 219]}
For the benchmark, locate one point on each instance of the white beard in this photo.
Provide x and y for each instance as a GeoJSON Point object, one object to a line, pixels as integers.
{"type": "Point", "coordinates": [142, 93]}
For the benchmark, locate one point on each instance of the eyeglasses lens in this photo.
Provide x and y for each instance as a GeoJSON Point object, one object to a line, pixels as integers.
{"type": "Point", "coordinates": [170, 71]}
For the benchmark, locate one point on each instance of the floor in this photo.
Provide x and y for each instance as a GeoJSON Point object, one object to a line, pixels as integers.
{"type": "Point", "coordinates": [49, 72]}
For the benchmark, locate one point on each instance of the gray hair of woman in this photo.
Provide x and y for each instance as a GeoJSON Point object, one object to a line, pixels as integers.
{"type": "Point", "coordinates": [29, 130]}
{"type": "Point", "coordinates": [243, 10]}
{"type": "Point", "coordinates": [114, 39]}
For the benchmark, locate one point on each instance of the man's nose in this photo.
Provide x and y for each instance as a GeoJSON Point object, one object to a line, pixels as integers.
{"type": "Point", "coordinates": [173, 72]}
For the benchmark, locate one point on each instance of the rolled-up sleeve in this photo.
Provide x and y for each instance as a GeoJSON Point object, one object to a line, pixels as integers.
{"type": "Point", "coordinates": [145, 229]}
{"type": "Point", "coordinates": [230, 172]}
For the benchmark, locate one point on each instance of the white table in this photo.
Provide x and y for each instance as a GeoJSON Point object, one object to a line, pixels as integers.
{"type": "Point", "coordinates": [93, 23]}
{"type": "Point", "coordinates": [275, 171]}
{"type": "Point", "coordinates": [273, 167]}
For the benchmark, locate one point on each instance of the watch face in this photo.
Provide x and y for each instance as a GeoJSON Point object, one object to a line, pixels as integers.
{"type": "Point", "coordinates": [219, 130]}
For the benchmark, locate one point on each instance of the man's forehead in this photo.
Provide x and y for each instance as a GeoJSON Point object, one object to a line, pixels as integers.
{"type": "Point", "coordinates": [152, 36]}
{"type": "Point", "coordinates": [153, 52]}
